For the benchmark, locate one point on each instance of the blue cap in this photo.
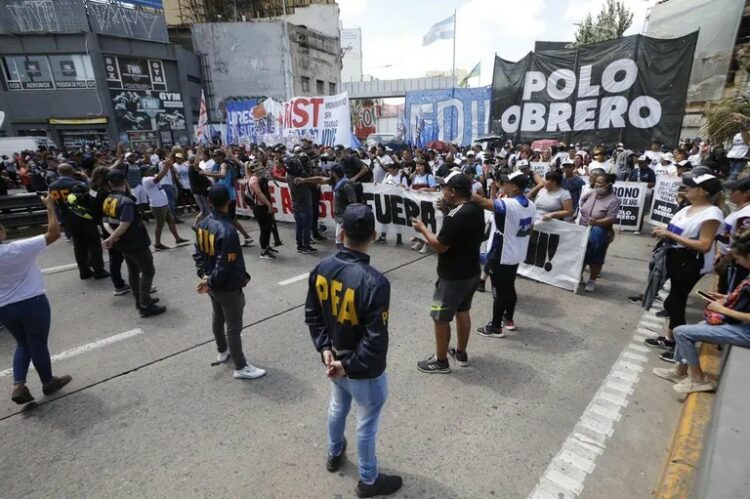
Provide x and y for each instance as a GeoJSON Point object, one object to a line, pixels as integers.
{"type": "Point", "coordinates": [218, 195]}
{"type": "Point", "coordinates": [358, 220]}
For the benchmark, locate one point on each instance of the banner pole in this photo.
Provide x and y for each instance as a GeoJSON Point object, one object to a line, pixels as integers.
{"type": "Point", "coordinates": [453, 73]}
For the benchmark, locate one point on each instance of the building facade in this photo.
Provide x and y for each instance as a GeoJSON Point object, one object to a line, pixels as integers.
{"type": "Point", "coordinates": [351, 51]}
{"type": "Point", "coordinates": [87, 73]}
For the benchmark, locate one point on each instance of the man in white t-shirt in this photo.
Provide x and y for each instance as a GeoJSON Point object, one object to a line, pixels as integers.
{"type": "Point", "coordinates": [654, 154]}
{"type": "Point", "coordinates": [380, 163]}
{"type": "Point", "coordinates": [159, 204]}
{"type": "Point", "coordinates": [738, 152]}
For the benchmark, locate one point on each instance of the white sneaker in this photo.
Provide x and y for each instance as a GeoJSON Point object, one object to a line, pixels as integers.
{"type": "Point", "coordinates": [222, 357]}
{"type": "Point", "coordinates": [687, 385]}
{"type": "Point", "coordinates": [416, 246]}
{"type": "Point", "coordinates": [670, 374]}
{"type": "Point", "coordinates": [590, 287]}
{"type": "Point", "coordinates": [249, 372]}
{"type": "Point", "coordinates": [426, 250]}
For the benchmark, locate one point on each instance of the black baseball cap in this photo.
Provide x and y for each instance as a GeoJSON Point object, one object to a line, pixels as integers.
{"type": "Point", "coordinates": [359, 220]}
{"type": "Point", "coordinates": [218, 195]}
{"type": "Point", "coordinates": [742, 184]}
{"type": "Point", "coordinates": [338, 169]}
{"type": "Point", "coordinates": [116, 175]}
{"type": "Point", "coordinates": [709, 183]}
{"type": "Point", "coordinates": [516, 178]}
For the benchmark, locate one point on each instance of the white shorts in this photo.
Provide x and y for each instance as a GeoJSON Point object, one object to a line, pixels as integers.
{"type": "Point", "coordinates": [140, 194]}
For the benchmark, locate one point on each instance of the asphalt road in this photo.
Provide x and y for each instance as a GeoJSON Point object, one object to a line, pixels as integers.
{"type": "Point", "coordinates": [148, 416]}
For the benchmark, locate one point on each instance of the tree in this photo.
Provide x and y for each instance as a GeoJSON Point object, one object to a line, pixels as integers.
{"type": "Point", "coordinates": [612, 22]}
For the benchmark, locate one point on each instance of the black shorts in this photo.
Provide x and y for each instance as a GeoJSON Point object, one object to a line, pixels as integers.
{"type": "Point", "coordinates": [232, 209]}
{"type": "Point", "coordinates": [452, 296]}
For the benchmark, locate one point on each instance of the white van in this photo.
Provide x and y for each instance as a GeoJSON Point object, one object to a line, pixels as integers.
{"type": "Point", "coordinates": [12, 145]}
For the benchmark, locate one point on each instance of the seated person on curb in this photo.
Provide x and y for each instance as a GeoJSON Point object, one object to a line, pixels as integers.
{"type": "Point", "coordinates": [727, 321]}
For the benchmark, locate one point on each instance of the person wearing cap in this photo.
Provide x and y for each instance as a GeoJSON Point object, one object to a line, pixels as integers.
{"type": "Point", "coordinates": [159, 203]}
{"type": "Point", "coordinates": [643, 172]}
{"type": "Point", "coordinates": [514, 219]}
{"type": "Point", "coordinates": [25, 309]}
{"type": "Point", "coordinates": [221, 268]}
{"type": "Point", "coordinates": [533, 179]}
{"type": "Point", "coordinates": [457, 245]}
{"type": "Point", "coordinates": [129, 235]}
{"type": "Point", "coordinates": [691, 235]}
{"type": "Point", "coordinates": [740, 149]}
{"type": "Point", "coordinates": [572, 182]}
{"type": "Point", "coordinates": [346, 310]}
{"type": "Point", "coordinates": [259, 197]}
{"type": "Point", "coordinates": [654, 154]}
{"type": "Point", "coordinates": [735, 224]}
{"type": "Point", "coordinates": [601, 162]}
{"type": "Point", "coordinates": [229, 172]}
{"type": "Point", "coordinates": [599, 210]}
{"type": "Point", "coordinates": [81, 225]}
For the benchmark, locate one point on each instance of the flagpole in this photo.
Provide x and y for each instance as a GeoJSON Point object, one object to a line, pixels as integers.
{"type": "Point", "coordinates": [453, 74]}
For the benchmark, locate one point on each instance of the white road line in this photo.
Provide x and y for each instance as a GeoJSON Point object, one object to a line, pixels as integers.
{"type": "Point", "coordinates": [294, 279]}
{"type": "Point", "coordinates": [59, 268]}
{"type": "Point", "coordinates": [86, 348]}
{"type": "Point", "coordinates": [566, 473]}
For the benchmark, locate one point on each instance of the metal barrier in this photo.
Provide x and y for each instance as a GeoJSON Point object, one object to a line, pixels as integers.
{"type": "Point", "coordinates": [724, 469]}
{"type": "Point", "coordinates": [22, 210]}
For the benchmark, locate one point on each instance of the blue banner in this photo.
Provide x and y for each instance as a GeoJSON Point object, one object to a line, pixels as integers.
{"type": "Point", "coordinates": [154, 4]}
{"type": "Point", "coordinates": [458, 115]}
{"type": "Point", "coordinates": [240, 122]}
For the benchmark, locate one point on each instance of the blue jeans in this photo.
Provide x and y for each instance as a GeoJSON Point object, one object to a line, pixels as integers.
{"type": "Point", "coordinates": [302, 225]}
{"type": "Point", "coordinates": [369, 395]}
{"type": "Point", "coordinates": [735, 167]}
{"type": "Point", "coordinates": [725, 334]}
{"type": "Point", "coordinates": [28, 322]}
{"type": "Point", "coordinates": [169, 190]}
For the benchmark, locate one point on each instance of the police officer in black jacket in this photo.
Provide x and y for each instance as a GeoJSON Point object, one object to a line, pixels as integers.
{"type": "Point", "coordinates": [77, 217]}
{"type": "Point", "coordinates": [347, 313]}
{"type": "Point", "coordinates": [130, 237]}
{"type": "Point", "coordinates": [221, 267]}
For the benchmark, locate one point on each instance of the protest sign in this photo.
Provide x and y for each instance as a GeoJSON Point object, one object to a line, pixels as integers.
{"type": "Point", "coordinates": [664, 205]}
{"type": "Point", "coordinates": [539, 167]}
{"type": "Point", "coordinates": [632, 196]}
{"type": "Point", "coordinates": [457, 115]}
{"type": "Point", "coordinates": [555, 254]}
{"type": "Point", "coordinates": [325, 120]}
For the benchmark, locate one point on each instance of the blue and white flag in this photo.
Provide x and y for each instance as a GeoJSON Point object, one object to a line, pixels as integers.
{"type": "Point", "coordinates": [440, 31]}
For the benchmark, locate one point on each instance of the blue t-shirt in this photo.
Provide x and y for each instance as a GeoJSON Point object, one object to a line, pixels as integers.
{"type": "Point", "coordinates": [228, 181]}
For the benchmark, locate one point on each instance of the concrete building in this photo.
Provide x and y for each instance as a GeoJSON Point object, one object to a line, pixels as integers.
{"type": "Point", "coordinates": [88, 72]}
{"type": "Point", "coordinates": [351, 50]}
{"type": "Point", "coordinates": [251, 59]}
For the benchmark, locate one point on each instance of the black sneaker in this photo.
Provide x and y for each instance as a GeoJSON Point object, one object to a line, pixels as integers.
{"type": "Point", "coordinates": [662, 313]}
{"type": "Point", "coordinates": [271, 250]}
{"type": "Point", "coordinates": [481, 286]}
{"type": "Point", "coordinates": [278, 243]}
{"type": "Point", "coordinates": [635, 299]}
{"type": "Point", "coordinates": [267, 255]}
{"type": "Point", "coordinates": [433, 366]}
{"type": "Point", "coordinates": [86, 275]}
{"type": "Point", "coordinates": [668, 356]}
{"type": "Point", "coordinates": [379, 240]}
{"type": "Point", "coordinates": [310, 249]}
{"type": "Point", "coordinates": [383, 486]}
{"type": "Point", "coordinates": [101, 275]}
{"type": "Point", "coordinates": [462, 358]}
{"type": "Point", "coordinates": [660, 342]}
{"type": "Point", "coordinates": [152, 310]}
{"type": "Point", "coordinates": [491, 331]}
{"type": "Point", "coordinates": [122, 290]}
{"type": "Point", "coordinates": [333, 463]}
{"type": "Point", "coordinates": [303, 250]}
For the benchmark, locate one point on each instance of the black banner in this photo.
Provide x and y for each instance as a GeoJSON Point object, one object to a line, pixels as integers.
{"type": "Point", "coordinates": [626, 90]}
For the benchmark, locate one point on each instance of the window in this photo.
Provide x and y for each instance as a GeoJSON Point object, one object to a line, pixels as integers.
{"type": "Point", "coordinates": [72, 71]}
{"type": "Point", "coordinates": [331, 89]}
{"type": "Point", "coordinates": [27, 72]}
{"type": "Point", "coordinates": [305, 84]}
{"type": "Point", "coordinates": [320, 87]}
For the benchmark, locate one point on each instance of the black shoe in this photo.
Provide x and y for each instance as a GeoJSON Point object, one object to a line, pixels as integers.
{"type": "Point", "coordinates": [668, 356]}
{"type": "Point", "coordinates": [432, 365]}
{"type": "Point", "coordinates": [21, 395]}
{"type": "Point", "coordinates": [271, 250]}
{"type": "Point", "coordinates": [662, 313]}
{"type": "Point", "coordinates": [381, 239]}
{"type": "Point", "coordinates": [267, 255]}
{"type": "Point", "coordinates": [660, 342]}
{"type": "Point", "coordinates": [86, 275]}
{"type": "Point", "coordinates": [152, 310]}
{"type": "Point", "coordinates": [383, 486]}
{"type": "Point", "coordinates": [333, 463]}
{"type": "Point", "coordinates": [491, 331]}
{"type": "Point", "coordinates": [481, 287]}
{"type": "Point", "coordinates": [55, 385]}
{"type": "Point", "coordinates": [278, 243]}
{"type": "Point", "coordinates": [635, 299]}
{"type": "Point", "coordinates": [101, 275]}
{"type": "Point", "coordinates": [462, 358]}
{"type": "Point", "coordinates": [320, 237]}
{"type": "Point", "coordinates": [310, 249]}
{"type": "Point", "coordinates": [161, 247]}
{"type": "Point", "coordinates": [303, 250]}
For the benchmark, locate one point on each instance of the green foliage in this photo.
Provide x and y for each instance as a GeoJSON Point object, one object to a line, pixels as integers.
{"type": "Point", "coordinates": [613, 20]}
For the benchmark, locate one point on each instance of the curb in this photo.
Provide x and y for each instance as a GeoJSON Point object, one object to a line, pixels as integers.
{"type": "Point", "coordinates": [687, 442]}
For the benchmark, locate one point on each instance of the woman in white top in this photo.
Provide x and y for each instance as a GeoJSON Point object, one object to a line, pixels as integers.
{"type": "Point", "coordinates": [394, 177]}
{"type": "Point", "coordinates": [24, 308]}
{"type": "Point", "coordinates": [423, 179]}
{"type": "Point", "coordinates": [692, 234]}
{"type": "Point", "coordinates": [551, 199]}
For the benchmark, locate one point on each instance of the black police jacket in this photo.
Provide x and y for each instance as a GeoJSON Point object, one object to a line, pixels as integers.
{"type": "Point", "coordinates": [59, 190]}
{"type": "Point", "coordinates": [218, 254]}
{"type": "Point", "coordinates": [347, 312]}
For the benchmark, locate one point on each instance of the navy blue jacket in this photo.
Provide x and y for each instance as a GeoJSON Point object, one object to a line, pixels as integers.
{"type": "Point", "coordinates": [59, 190]}
{"type": "Point", "coordinates": [347, 312]}
{"type": "Point", "coordinates": [218, 254]}
{"type": "Point", "coordinates": [643, 174]}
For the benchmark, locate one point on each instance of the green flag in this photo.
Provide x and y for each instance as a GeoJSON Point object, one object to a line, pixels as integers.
{"type": "Point", "coordinates": [474, 72]}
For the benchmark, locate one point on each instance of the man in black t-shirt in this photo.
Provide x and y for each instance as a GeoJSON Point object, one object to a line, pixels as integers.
{"type": "Point", "coordinates": [458, 270]}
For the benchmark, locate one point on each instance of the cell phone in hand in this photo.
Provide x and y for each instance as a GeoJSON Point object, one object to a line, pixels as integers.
{"type": "Point", "coordinates": [705, 295]}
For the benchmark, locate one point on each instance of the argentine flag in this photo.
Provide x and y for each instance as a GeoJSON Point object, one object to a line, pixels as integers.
{"type": "Point", "coordinates": [440, 31]}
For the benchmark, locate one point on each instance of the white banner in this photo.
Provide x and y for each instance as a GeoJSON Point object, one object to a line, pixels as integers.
{"type": "Point", "coordinates": [325, 120]}
{"type": "Point", "coordinates": [632, 196]}
{"type": "Point", "coordinates": [664, 205]}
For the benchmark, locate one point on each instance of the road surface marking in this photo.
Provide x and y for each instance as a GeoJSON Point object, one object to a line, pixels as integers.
{"type": "Point", "coordinates": [59, 268]}
{"type": "Point", "coordinates": [566, 473]}
{"type": "Point", "coordinates": [86, 348]}
{"type": "Point", "coordinates": [294, 279]}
